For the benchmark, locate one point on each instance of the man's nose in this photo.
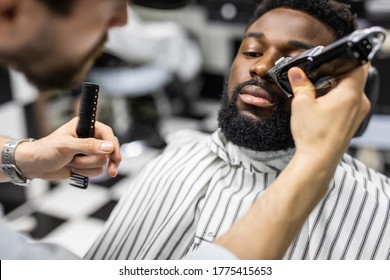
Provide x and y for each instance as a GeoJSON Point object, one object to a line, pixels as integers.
{"type": "Point", "coordinates": [261, 66]}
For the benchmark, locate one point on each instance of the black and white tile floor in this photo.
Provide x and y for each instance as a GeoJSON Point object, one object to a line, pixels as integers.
{"type": "Point", "coordinates": [72, 217]}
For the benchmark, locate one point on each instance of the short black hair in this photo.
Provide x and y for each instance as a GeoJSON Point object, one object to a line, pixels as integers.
{"type": "Point", "coordinates": [60, 7]}
{"type": "Point", "coordinates": [335, 15]}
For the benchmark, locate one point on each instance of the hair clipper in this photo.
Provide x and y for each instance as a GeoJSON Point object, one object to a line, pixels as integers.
{"type": "Point", "coordinates": [324, 65]}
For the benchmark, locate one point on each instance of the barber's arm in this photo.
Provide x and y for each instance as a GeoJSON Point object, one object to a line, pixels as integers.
{"type": "Point", "coordinates": [322, 128]}
{"type": "Point", "coordinates": [15, 246]}
{"type": "Point", "coordinates": [53, 157]}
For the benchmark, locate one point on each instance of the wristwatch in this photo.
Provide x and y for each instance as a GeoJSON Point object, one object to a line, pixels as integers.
{"type": "Point", "coordinates": [8, 165]}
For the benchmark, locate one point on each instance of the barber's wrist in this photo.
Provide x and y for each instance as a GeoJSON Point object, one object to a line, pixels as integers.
{"type": "Point", "coordinates": [9, 167]}
{"type": "Point", "coordinates": [25, 159]}
{"type": "Point", "coordinates": [319, 167]}
{"type": "Point", "coordinates": [321, 155]}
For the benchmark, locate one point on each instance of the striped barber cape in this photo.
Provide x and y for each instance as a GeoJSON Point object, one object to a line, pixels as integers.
{"type": "Point", "coordinates": [195, 190]}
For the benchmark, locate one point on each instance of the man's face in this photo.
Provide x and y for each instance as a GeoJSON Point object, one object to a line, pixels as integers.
{"type": "Point", "coordinates": [56, 51]}
{"type": "Point", "coordinates": [255, 114]}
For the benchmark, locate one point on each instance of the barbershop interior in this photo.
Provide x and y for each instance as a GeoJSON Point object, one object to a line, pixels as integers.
{"type": "Point", "coordinates": [146, 94]}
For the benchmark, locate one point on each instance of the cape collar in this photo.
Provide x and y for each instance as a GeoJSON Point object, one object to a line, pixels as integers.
{"type": "Point", "coordinates": [254, 161]}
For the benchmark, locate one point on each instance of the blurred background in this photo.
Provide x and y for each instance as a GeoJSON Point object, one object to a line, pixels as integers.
{"type": "Point", "coordinates": [161, 73]}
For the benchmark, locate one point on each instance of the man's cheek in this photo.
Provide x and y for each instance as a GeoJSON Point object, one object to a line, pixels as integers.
{"type": "Point", "coordinates": [237, 76]}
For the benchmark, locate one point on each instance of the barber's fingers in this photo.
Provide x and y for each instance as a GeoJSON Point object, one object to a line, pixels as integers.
{"type": "Point", "coordinates": [363, 108]}
{"type": "Point", "coordinates": [88, 172]}
{"type": "Point", "coordinates": [88, 161]}
{"type": "Point", "coordinates": [72, 146]}
{"type": "Point", "coordinates": [350, 92]}
{"type": "Point", "coordinates": [303, 89]}
{"type": "Point", "coordinates": [65, 172]}
{"type": "Point", "coordinates": [356, 79]}
{"type": "Point", "coordinates": [92, 165]}
{"type": "Point", "coordinates": [59, 174]}
{"type": "Point", "coordinates": [92, 146]}
{"type": "Point", "coordinates": [105, 132]}
{"type": "Point", "coordinates": [112, 168]}
{"type": "Point", "coordinates": [105, 142]}
{"type": "Point", "coordinates": [305, 93]}
{"type": "Point", "coordinates": [300, 84]}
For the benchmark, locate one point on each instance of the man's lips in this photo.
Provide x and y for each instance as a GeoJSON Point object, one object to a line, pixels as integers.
{"type": "Point", "coordinates": [256, 96]}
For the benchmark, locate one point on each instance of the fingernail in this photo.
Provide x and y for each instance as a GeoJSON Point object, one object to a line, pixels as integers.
{"type": "Point", "coordinates": [115, 169]}
{"type": "Point", "coordinates": [106, 146]}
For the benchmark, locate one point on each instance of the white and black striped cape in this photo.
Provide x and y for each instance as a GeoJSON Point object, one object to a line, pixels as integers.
{"type": "Point", "coordinates": [201, 184]}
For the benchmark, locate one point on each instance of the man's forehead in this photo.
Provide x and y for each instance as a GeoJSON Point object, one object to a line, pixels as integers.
{"type": "Point", "coordinates": [288, 23]}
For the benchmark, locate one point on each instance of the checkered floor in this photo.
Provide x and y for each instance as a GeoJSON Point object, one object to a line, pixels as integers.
{"type": "Point", "coordinates": [72, 217]}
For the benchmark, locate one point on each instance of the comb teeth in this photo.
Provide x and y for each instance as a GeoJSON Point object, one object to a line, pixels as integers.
{"type": "Point", "coordinates": [86, 125]}
{"type": "Point", "coordinates": [80, 181]}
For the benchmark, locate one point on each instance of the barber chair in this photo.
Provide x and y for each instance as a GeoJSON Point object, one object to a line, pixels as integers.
{"type": "Point", "coordinates": [373, 147]}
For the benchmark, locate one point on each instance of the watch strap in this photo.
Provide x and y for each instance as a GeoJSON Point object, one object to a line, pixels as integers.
{"type": "Point", "coordinates": [8, 165]}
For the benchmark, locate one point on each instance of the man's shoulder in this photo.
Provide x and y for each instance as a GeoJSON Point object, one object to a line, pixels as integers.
{"type": "Point", "coordinates": [360, 170]}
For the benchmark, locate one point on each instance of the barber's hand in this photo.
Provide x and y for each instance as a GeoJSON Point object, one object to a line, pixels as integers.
{"type": "Point", "coordinates": [53, 157]}
{"type": "Point", "coordinates": [323, 126]}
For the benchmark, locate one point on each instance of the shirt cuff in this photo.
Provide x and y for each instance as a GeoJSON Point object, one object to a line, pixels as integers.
{"type": "Point", "coordinates": [211, 251]}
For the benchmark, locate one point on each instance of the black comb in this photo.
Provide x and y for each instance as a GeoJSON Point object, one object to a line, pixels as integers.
{"type": "Point", "coordinates": [86, 126]}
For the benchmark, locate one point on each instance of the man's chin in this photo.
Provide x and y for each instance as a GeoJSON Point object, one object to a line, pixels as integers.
{"type": "Point", "coordinates": [259, 134]}
{"type": "Point", "coordinates": [46, 86]}
{"type": "Point", "coordinates": [63, 81]}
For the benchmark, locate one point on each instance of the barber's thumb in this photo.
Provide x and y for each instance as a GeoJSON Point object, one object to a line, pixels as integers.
{"type": "Point", "coordinates": [300, 84]}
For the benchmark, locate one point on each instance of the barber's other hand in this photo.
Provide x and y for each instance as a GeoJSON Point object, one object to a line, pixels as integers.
{"type": "Point", "coordinates": [53, 157]}
{"type": "Point", "coordinates": [324, 126]}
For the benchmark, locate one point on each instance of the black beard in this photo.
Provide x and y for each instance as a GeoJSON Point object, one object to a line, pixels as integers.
{"type": "Point", "coordinates": [270, 134]}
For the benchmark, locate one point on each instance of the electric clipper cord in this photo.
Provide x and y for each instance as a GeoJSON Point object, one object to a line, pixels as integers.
{"type": "Point", "coordinates": [86, 125]}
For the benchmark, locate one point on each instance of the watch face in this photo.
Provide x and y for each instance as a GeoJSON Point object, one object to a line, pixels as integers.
{"type": "Point", "coordinates": [162, 4]}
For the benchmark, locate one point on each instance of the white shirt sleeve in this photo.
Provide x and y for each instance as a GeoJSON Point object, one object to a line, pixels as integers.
{"type": "Point", "coordinates": [15, 246]}
{"type": "Point", "coordinates": [211, 251]}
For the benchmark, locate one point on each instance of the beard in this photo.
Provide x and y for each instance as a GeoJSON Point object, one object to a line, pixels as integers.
{"type": "Point", "coordinates": [269, 134]}
{"type": "Point", "coordinates": [72, 75]}
{"type": "Point", "coordinates": [62, 78]}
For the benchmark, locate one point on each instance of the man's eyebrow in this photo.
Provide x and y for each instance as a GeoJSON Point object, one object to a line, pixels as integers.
{"type": "Point", "coordinates": [293, 43]}
{"type": "Point", "coordinates": [301, 45]}
{"type": "Point", "coordinates": [256, 35]}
